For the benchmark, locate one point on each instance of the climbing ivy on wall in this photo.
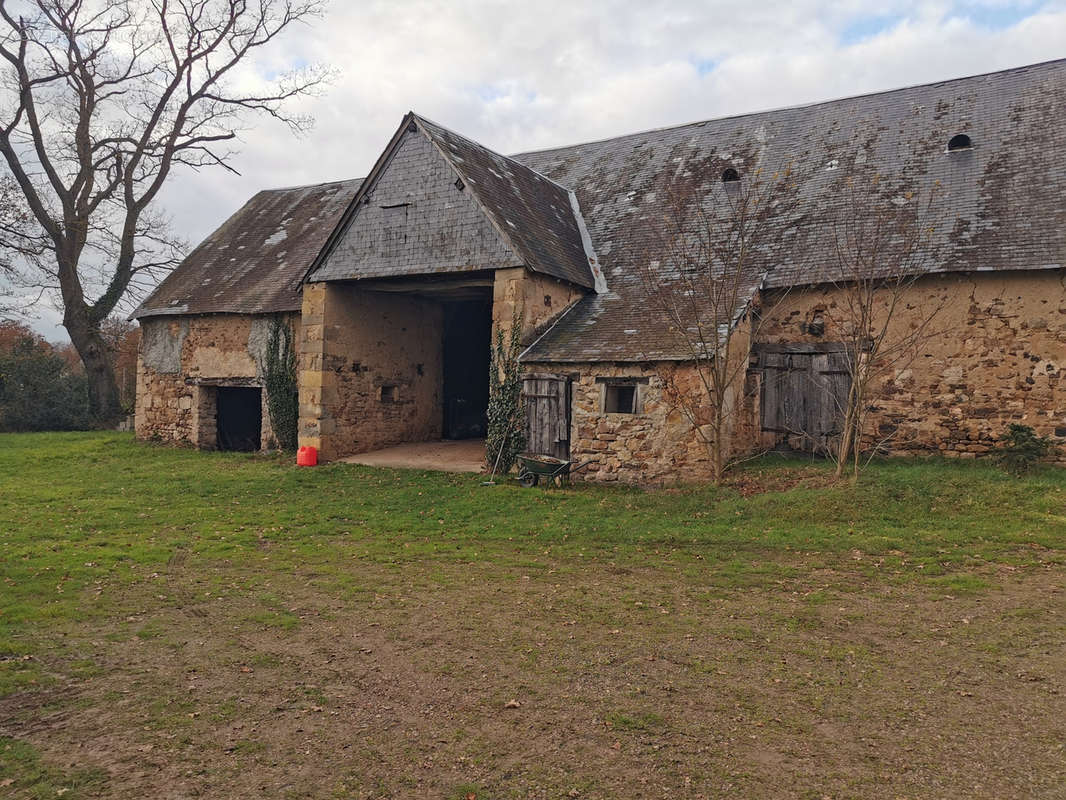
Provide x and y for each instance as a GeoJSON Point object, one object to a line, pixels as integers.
{"type": "Point", "coordinates": [506, 436]}
{"type": "Point", "coordinates": [281, 386]}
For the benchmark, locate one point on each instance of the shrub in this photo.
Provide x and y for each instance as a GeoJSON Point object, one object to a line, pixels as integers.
{"type": "Point", "coordinates": [1021, 449]}
{"type": "Point", "coordinates": [38, 389]}
{"type": "Point", "coordinates": [506, 436]}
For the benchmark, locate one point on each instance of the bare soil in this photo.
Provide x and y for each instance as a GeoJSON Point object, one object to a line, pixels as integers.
{"type": "Point", "coordinates": [583, 680]}
{"type": "Point", "coordinates": [460, 455]}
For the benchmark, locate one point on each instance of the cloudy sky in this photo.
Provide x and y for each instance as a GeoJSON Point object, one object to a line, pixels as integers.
{"type": "Point", "coordinates": [522, 76]}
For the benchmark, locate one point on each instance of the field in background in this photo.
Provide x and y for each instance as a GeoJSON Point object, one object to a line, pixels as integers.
{"type": "Point", "coordinates": [181, 624]}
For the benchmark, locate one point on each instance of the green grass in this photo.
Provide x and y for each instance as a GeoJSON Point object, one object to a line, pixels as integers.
{"type": "Point", "coordinates": [22, 772]}
{"type": "Point", "coordinates": [633, 720]}
{"type": "Point", "coordinates": [82, 512]}
{"type": "Point", "coordinates": [86, 517]}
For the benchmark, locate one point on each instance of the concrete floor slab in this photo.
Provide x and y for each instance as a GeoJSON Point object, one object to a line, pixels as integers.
{"type": "Point", "coordinates": [463, 455]}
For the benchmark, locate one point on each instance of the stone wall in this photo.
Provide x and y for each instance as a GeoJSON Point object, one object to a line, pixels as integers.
{"type": "Point", "coordinates": [539, 299]}
{"type": "Point", "coordinates": [181, 362]}
{"type": "Point", "coordinates": [994, 354]}
{"type": "Point", "coordinates": [357, 341]}
{"type": "Point", "coordinates": [370, 369]}
{"type": "Point", "coordinates": [666, 441]}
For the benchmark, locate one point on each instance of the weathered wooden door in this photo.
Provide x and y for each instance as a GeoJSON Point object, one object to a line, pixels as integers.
{"type": "Point", "coordinates": [547, 401]}
{"type": "Point", "coordinates": [802, 398]}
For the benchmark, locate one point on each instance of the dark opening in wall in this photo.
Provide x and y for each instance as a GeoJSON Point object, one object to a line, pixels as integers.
{"type": "Point", "coordinates": [959, 142]}
{"type": "Point", "coordinates": [619, 398]}
{"type": "Point", "coordinates": [239, 418]}
{"type": "Point", "coordinates": [730, 175]}
{"type": "Point", "coordinates": [388, 394]}
{"type": "Point", "coordinates": [467, 336]}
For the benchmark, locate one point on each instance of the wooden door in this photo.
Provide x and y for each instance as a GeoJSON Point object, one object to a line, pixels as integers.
{"type": "Point", "coordinates": [547, 402]}
{"type": "Point", "coordinates": [802, 398]}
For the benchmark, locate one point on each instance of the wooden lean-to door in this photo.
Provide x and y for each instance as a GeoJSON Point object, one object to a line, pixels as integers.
{"type": "Point", "coordinates": [547, 402]}
{"type": "Point", "coordinates": [802, 398]}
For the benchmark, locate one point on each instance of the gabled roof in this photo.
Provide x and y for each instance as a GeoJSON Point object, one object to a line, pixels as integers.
{"type": "Point", "coordinates": [254, 263]}
{"type": "Point", "coordinates": [542, 218]}
{"type": "Point", "coordinates": [1003, 201]}
{"type": "Point", "coordinates": [538, 222]}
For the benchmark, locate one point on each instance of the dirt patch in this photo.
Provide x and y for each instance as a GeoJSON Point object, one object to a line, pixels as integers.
{"type": "Point", "coordinates": [579, 680]}
{"type": "Point", "coordinates": [752, 482]}
{"type": "Point", "coordinates": [462, 455]}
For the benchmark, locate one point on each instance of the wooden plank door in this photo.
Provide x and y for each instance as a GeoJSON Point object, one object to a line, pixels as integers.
{"type": "Point", "coordinates": [547, 403]}
{"type": "Point", "coordinates": [802, 399]}
{"type": "Point", "coordinates": [832, 381]}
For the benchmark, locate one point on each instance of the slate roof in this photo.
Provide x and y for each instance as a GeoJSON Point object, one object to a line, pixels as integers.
{"type": "Point", "coordinates": [1002, 207]}
{"type": "Point", "coordinates": [255, 262]}
{"type": "Point", "coordinates": [537, 219]}
{"type": "Point", "coordinates": [541, 218]}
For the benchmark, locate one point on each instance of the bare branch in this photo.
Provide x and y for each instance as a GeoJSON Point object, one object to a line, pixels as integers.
{"type": "Point", "coordinates": [714, 244]}
{"type": "Point", "coordinates": [99, 101]}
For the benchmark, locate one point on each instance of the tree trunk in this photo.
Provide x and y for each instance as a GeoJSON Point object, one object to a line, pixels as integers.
{"type": "Point", "coordinates": [104, 405]}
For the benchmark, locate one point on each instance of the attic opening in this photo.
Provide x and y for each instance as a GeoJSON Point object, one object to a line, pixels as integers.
{"type": "Point", "coordinates": [730, 175]}
{"type": "Point", "coordinates": [959, 141]}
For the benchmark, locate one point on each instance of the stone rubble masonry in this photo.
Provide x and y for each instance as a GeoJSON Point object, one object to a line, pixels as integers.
{"type": "Point", "coordinates": [539, 299]}
{"type": "Point", "coordinates": [995, 354]}
{"type": "Point", "coordinates": [354, 343]}
{"type": "Point", "coordinates": [660, 444]}
{"type": "Point", "coordinates": [184, 359]}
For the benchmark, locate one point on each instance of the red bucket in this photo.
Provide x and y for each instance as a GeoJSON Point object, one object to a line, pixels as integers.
{"type": "Point", "coordinates": [307, 457]}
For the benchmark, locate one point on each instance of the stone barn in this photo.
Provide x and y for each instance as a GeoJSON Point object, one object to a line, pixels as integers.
{"type": "Point", "coordinates": [204, 331]}
{"type": "Point", "coordinates": [398, 283]}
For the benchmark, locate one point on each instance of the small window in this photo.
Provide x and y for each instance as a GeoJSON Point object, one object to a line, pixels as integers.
{"type": "Point", "coordinates": [959, 142]}
{"type": "Point", "coordinates": [619, 398]}
{"type": "Point", "coordinates": [388, 394]}
{"type": "Point", "coordinates": [730, 176]}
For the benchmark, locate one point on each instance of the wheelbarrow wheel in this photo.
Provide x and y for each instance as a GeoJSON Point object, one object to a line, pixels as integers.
{"type": "Point", "coordinates": [527, 479]}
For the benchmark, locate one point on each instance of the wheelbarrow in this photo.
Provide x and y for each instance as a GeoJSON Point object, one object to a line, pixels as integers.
{"type": "Point", "coordinates": [531, 468]}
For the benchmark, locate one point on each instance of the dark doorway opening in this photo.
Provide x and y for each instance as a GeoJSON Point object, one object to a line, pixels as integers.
{"type": "Point", "coordinates": [467, 339]}
{"type": "Point", "coordinates": [239, 415]}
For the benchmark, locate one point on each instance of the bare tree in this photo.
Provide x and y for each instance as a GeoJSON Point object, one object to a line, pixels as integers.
{"type": "Point", "coordinates": [883, 242]}
{"type": "Point", "coordinates": [715, 240]}
{"type": "Point", "coordinates": [100, 100]}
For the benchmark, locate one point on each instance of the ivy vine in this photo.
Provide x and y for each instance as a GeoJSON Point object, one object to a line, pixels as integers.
{"type": "Point", "coordinates": [281, 386]}
{"type": "Point", "coordinates": [506, 436]}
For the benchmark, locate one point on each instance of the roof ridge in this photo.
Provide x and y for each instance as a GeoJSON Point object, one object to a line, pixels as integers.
{"type": "Point", "coordinates": [512, 159]}
{"type": "Point", "coordinates": [796, 107]}
{"type": "Point", "coordinates": [309, 185]}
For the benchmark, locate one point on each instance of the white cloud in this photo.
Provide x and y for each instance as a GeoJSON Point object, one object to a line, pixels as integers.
{"type": "Point", "coordinates": [520, 76]}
